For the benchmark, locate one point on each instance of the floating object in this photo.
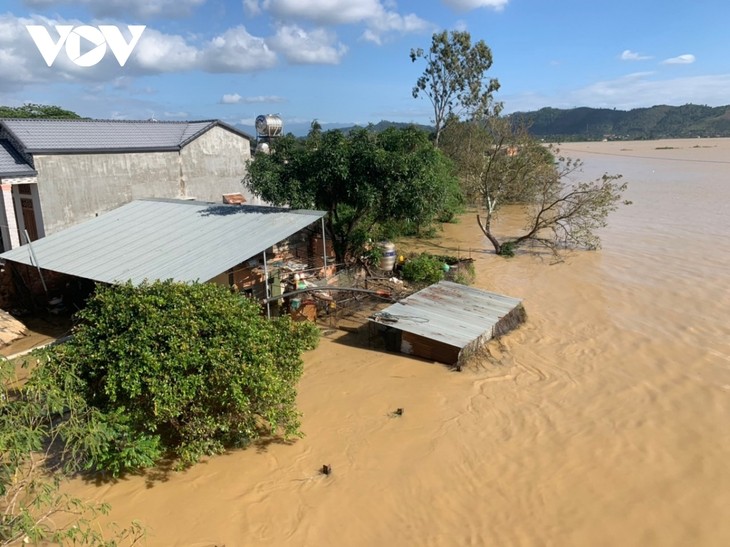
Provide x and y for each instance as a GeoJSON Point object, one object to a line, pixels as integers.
{"type": "Point", "coordinates": [326, 469]}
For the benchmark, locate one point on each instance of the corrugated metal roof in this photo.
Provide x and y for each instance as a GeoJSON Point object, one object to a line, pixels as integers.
{"type": "Point", "coordinates": [449, 312]}
{"type": "Point", "coordinates": [164, 239]}
{"type": "Point", "coordinates": [79, 136]}
{"type": "Point", "coordinates": [12, 163]}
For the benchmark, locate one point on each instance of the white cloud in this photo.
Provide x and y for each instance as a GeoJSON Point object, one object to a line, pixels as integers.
{"type": "Point", "coordinates": [143, 9]}
{"type": "Point", "coordinates": [235, 98]}
{"type": "Point", "coordinates": [467, 5]}
{"type": "Point", "coordinates": [685, 59]}
{"type": "Point", "coordinates": [637, 90]}
{"type": "Point", "coordinates": [21, 64]}
{"type": "Point", "coordinates": [180, 114]}
{"type": "Point", "coordinates": [460, 25]}
{"type": "Point", "coordinates": [158, 52]}
{"type": "Point", "coordinates": [236, 51]}
{"type": "Point", "coordinates": [231, 98]}
{"type": "Point", "coordinates": [324, 11]}
{"type": "Point", "coordinates": [379, 18]}
{"type": "Point", "coordinates": [301, 47]}
{"type": "Point", "coordinates": [629, 55]}
{"type": "Point", "coordinates": [386, 22]}
{"type": "Point", "coordinates": [251, 7]}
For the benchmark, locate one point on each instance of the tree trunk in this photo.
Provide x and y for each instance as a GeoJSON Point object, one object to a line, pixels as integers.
{"type": "Point", "coordinates": [486, 229]}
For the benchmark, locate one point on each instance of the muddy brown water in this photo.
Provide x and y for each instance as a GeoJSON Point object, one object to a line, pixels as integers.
{"type": "Point", "coordinates": [604, 423]}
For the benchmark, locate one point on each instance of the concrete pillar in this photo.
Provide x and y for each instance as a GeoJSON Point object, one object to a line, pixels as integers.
{"type": "Point", "coordinates": [8, 221]}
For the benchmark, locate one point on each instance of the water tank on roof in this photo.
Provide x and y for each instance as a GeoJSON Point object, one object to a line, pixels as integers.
{"type": "Point", "coordinates": [269, 125]}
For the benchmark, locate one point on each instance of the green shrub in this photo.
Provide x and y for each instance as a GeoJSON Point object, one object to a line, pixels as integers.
{"type": "Point", "coordinates": [190, 370]}
{"type": "Point", "coordinates": [424, 268]}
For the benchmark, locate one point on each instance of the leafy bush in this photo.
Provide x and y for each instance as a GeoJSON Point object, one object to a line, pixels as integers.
{"type": "Point", "coordinates": [46, 433]}
{"type": "Point", "coordinates": [187, 369]}
{"type": "Point", "coordinates": [424, 268]}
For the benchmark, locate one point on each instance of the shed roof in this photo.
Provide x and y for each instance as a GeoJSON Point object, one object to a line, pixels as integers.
{"type": "Point", "coordinates": [46, 136]}
{"type": "Point", "coordinates": [161, 239]}
{"type": "Point", "coordinates": [12, 163]}
{"type": "Point", "coordinates": [448, 312]}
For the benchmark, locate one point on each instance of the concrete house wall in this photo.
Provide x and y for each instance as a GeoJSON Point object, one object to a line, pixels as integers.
{"type": "Point", "coordinates": [217, 155]}
{"type": "Point", "coordinates": [76, 187]}
{"type": "Point", "coordinates": [74, 184]}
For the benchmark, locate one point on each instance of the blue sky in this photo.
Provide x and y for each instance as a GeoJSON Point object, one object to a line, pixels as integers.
{"type": "Point", "coordinates": [347, 61]}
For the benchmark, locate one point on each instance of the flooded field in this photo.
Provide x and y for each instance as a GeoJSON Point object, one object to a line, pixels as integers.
{"type": "Point", "coordinates": [604, 422]}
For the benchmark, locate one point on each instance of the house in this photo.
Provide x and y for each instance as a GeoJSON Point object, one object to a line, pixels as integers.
{"type": "Point", "coordinates": [57, 173]}
{"type": "Point", "coordinates": [252, 249]}
{"type": "Point", "coordinates": [447, 322]}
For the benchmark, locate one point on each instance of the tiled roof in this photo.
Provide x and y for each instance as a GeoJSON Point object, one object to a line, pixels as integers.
{"type": "Point", "coordinates": [84, 136]}
{"type": "Point", "coordinates": [163, 239]}
{"type": "Point", "coordinates": [12, 163]}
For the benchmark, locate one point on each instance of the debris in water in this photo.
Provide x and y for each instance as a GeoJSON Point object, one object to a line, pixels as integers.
{"type": "Point", "coordinates": [396, 413]}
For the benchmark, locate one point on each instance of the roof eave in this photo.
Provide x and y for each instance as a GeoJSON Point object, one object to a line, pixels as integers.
{"type": "Point", "coordinates": [211, 125]}
{"type": "Point", "coordinates": [18, 174]}
{"type": "Point", "coordinates": [69, 151]}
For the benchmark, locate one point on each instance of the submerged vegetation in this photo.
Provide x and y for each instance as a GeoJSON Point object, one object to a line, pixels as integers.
{"type": "Point", "coordinates": [499, 162]}
{"type": "Point", "coordinates": [165, 370]}
{"type": "Point", "coordinates": [369, 183]}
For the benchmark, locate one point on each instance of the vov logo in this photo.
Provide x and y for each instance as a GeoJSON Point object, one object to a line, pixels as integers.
{"type": "Point", "coordinates": [99, 37]}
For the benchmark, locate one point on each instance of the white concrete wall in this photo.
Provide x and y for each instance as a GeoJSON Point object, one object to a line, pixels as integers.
{"type": "Point", "coordinates": [77, 187]}
{"type": "Point", "coordinates": [214, 164]}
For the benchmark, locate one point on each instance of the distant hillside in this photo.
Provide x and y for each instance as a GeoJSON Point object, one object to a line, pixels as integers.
{"type": "Point", "coordinates": [382, 125]}
{"type": "Point", "coordinates": [657, 122]}
{"type": "Point", "coordinates": [31, 110]}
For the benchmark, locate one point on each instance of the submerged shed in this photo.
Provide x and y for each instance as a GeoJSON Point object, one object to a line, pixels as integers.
{"type": "Point", "coordinates": [447, 322]}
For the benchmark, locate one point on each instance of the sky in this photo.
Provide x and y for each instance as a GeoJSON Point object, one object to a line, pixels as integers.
{"type": "Point", "coordinates": [342, 62]}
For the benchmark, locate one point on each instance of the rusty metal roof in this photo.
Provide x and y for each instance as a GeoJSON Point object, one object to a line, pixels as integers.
{"type": "Point", "coordinates": [448, 312]}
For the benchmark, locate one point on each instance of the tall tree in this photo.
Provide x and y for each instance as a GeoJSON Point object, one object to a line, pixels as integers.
{"type": "Point", "coordinates": [454, 78]}
{"type": "Point", "coordinates": [500, 163]}
{"type": "Point", "coordinates": [361, 179]}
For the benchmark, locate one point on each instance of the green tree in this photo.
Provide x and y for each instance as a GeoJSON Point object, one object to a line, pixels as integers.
{"type": "Point", "coordinates": [500, 163]}
{"type": "Point", "coordinates": [32, 110]}
{"type": "Point", "coordinates": [188, 370]}
{"type": "Point", "coordinates": [361, 179]}
{"type": "Point", "coordinates": [454, 78]}
{"type": "Point", "coordinates": [46, 432]}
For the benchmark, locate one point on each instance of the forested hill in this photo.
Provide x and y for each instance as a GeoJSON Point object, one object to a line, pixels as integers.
{"type": "Point", "coordinates": [657, 122]}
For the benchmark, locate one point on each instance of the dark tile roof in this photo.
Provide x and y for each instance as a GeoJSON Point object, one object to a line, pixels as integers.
{"type": "Point", "coordinates": [12, 163]}
{"type": "Point", "coordinates": [86, 136]}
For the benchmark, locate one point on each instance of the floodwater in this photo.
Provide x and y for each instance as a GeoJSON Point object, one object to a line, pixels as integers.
{"type": "Point", "coordinates": [601, 421]}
